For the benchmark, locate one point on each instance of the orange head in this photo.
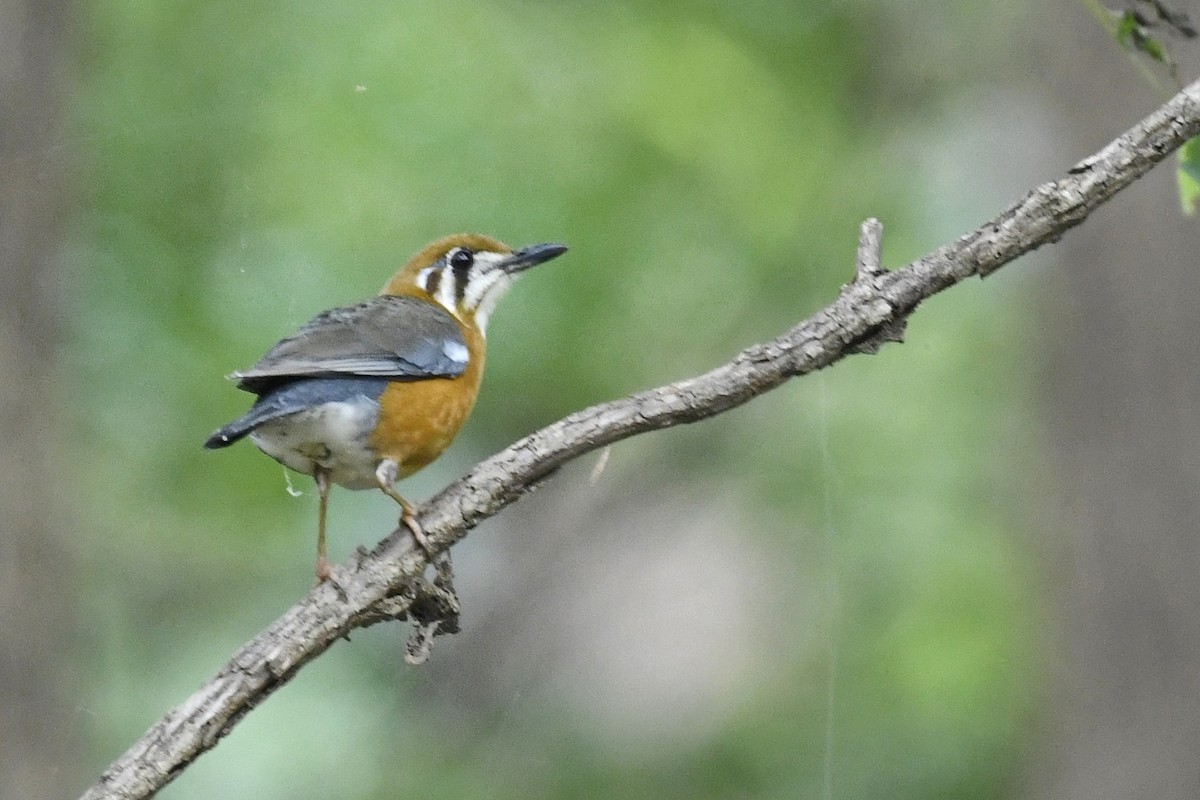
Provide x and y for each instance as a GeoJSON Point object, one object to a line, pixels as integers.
{"type": "Point", "coordinates": [467, 273]}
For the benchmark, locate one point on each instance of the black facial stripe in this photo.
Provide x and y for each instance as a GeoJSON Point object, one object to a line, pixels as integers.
{"type": "Point", "coordinates": [460, 285]}
{"type": "Point", "coordinates": [432, 280]}
{"type": "Point", "coordinates": [461, 260]}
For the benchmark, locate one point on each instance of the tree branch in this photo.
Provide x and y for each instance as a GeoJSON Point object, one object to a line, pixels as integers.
{"type": "Point", "coordinates": [387, 583]}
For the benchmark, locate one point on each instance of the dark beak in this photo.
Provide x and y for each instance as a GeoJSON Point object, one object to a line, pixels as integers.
{"type": "Point", "coordinates": [532, 255]}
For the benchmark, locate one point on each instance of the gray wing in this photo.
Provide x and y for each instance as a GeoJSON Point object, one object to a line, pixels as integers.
{"type": "Point", "coordinates": [384, 337]}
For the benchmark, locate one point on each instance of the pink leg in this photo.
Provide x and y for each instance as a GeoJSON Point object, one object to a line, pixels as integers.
{"type": "Point", "coordinates": [321, 476]}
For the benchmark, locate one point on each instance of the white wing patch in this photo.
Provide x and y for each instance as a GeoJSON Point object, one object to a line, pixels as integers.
{"type": "Point", "coordinates": [455, 351]}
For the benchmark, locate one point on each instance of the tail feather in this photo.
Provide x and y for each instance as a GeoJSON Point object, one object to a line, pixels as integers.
{"type": "Point", "coordinates": [292, 398]}
{"type": "Point", "coordinates": [226, 435]}
{"type": "Point", "coordinates": [238, 429]}
{"type": "Point", "coordinates": [269, 407]}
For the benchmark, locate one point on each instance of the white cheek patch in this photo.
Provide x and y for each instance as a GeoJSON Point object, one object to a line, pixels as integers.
{"type": "Point", "coordinates": [488, 296]}
{"type": "Point", "coordinates": [446, 290]}
{"type": "Point", "coordinates": [455, 352]}
{"type": "Point", "coordinates": [423, 278]}
{"type": "Point", "coordinates": [479, 286]}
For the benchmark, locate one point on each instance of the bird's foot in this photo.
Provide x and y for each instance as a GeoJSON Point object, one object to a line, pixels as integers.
{"type": "Point", "coordinates": [409, 520]}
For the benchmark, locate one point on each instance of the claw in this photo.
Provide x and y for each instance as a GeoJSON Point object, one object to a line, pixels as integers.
{"type": "Point", "coordinates": [409, 520]}
{"type": "Point", "coordinates": [385, 476]}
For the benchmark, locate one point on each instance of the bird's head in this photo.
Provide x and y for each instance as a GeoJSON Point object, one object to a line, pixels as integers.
{"type": "Point", "coordinates": [467, 273]}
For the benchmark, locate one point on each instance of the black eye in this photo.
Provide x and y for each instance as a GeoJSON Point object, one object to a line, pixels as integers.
{"type": "Point", "coordinates": [462, 259]}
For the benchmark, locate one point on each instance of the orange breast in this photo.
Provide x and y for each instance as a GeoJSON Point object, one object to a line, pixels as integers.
{"type": "Point", "coordinates": [419, 419]}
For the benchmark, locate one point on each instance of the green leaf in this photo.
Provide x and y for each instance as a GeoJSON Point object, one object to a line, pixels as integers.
{"type": "Point", "coordinates": [1132, 34]}
{"type": "Point", "coordinates": [1188, 175]}
{"type": "Point", "coordinates": [1150, 46]}
{"type": "Point", "coordinates": [1127, 28]}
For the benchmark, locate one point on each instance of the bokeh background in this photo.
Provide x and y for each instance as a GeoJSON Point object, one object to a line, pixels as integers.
{"type": "Point", "coordinates": [962, 568]}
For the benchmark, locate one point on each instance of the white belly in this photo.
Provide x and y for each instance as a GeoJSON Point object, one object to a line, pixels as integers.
{"type": "Point", "coordinates": [333, 436]}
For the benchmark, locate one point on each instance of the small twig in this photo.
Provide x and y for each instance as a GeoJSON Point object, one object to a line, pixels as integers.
{"type": "Point", "coordinates": [870, 250]}
{"type": "Point", "coordinates": [867, 267]}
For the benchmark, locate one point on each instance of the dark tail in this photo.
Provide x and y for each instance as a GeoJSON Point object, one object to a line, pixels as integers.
{"type": "Point", "coordinates": [265, 409]}
{"type": "Point", "coordinates": [269, 407]}
{"type": "Point", "coordinates": [232, 432]}
{"type": "Point", "coordinates": [290, 398]}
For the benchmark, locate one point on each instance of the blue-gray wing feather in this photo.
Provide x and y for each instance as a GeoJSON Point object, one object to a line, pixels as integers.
{"type": "Point", "coordinates": [401, 338]}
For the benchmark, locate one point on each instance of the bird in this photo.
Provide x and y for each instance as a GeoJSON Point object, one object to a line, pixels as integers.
{"type": "Point", "coordinates": [366, 394]}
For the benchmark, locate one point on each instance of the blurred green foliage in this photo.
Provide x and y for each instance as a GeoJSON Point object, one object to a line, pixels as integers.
{"type": "Point", "coordinates": [1188, 176]}
{"type": "Point", "coordinates": [242, 166]}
